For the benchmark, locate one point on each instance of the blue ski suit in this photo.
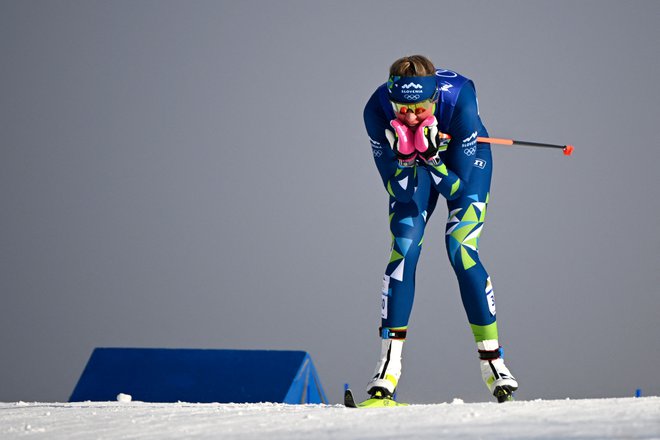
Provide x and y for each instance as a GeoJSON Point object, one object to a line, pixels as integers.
{"type": "Point", "coordinates": [463, 180]}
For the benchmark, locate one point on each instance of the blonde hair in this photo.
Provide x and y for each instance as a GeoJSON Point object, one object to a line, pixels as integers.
{"type": "Point", "coordinates": [414, 65]}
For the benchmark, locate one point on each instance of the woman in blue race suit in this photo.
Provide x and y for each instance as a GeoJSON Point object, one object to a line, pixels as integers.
{"type": "Point", "coordinates": [423, 126]}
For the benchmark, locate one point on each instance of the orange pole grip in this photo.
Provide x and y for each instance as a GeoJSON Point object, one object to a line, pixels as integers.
{"type": "Point", "coordinates": [499, 141]}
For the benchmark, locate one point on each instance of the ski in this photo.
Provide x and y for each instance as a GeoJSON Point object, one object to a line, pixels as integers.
{"type": "Point", "coordinates": [349, 401]}
{"type": "Point", "coordinates": [503, 394]}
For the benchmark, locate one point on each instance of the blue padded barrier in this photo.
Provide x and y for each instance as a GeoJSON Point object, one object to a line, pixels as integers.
{"type": "Point", "coordinates": [199, 375]}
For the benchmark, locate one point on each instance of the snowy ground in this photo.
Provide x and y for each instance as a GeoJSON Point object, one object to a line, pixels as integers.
{"type": "Point", "coordinates": [628, 418]}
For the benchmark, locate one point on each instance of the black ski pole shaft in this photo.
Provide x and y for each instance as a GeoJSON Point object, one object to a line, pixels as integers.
{"type": "Point", "coordinates": [567, 149]}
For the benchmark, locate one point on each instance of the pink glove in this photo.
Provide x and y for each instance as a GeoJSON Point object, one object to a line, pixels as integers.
{"type": "Point", "coordinates": [402, 142]}
{"type": "Point", "coordinates": [429, 142]}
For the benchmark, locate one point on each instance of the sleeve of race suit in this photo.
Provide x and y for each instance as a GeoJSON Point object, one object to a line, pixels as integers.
{"type": "Point", "coordinates": [399, 181]}
{"type": "Point", "coordinates": [464, 127]}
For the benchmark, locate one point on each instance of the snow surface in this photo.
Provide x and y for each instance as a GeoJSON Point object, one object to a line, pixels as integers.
{"type": "Point", "coordinates": [626, 418]}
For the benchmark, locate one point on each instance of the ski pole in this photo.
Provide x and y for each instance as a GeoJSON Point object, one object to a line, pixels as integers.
{"type": "Point", "coordinates": [567, 149]}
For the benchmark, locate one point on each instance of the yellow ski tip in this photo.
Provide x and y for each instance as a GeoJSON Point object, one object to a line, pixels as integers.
{"type": "Point", "coordinates": [380, 403]}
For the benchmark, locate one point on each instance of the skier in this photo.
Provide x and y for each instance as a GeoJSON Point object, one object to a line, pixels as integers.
{"type": "Point", "coordinates": [423, 126]}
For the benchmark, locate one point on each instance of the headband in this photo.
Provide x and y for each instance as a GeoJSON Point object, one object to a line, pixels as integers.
{"type": "Point", "coordinates": [404, 89]}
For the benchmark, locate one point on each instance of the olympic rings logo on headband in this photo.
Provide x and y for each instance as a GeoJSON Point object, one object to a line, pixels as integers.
{"type": "Point", "coordinates": [411, 97]}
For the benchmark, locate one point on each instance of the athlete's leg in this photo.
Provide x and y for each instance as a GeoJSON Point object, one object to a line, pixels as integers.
{"type": "Point", "coordinates": [407, 224]}
{"type": "Point", "coordinates": [464, 225]}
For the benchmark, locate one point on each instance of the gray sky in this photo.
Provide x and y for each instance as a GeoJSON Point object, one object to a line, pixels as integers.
{"type": "Point", "coordinates": [197, 175]}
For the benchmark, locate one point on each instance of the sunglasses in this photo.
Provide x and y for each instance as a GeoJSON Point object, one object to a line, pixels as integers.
{"type": "Point", "coordinates": [415, 107]}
